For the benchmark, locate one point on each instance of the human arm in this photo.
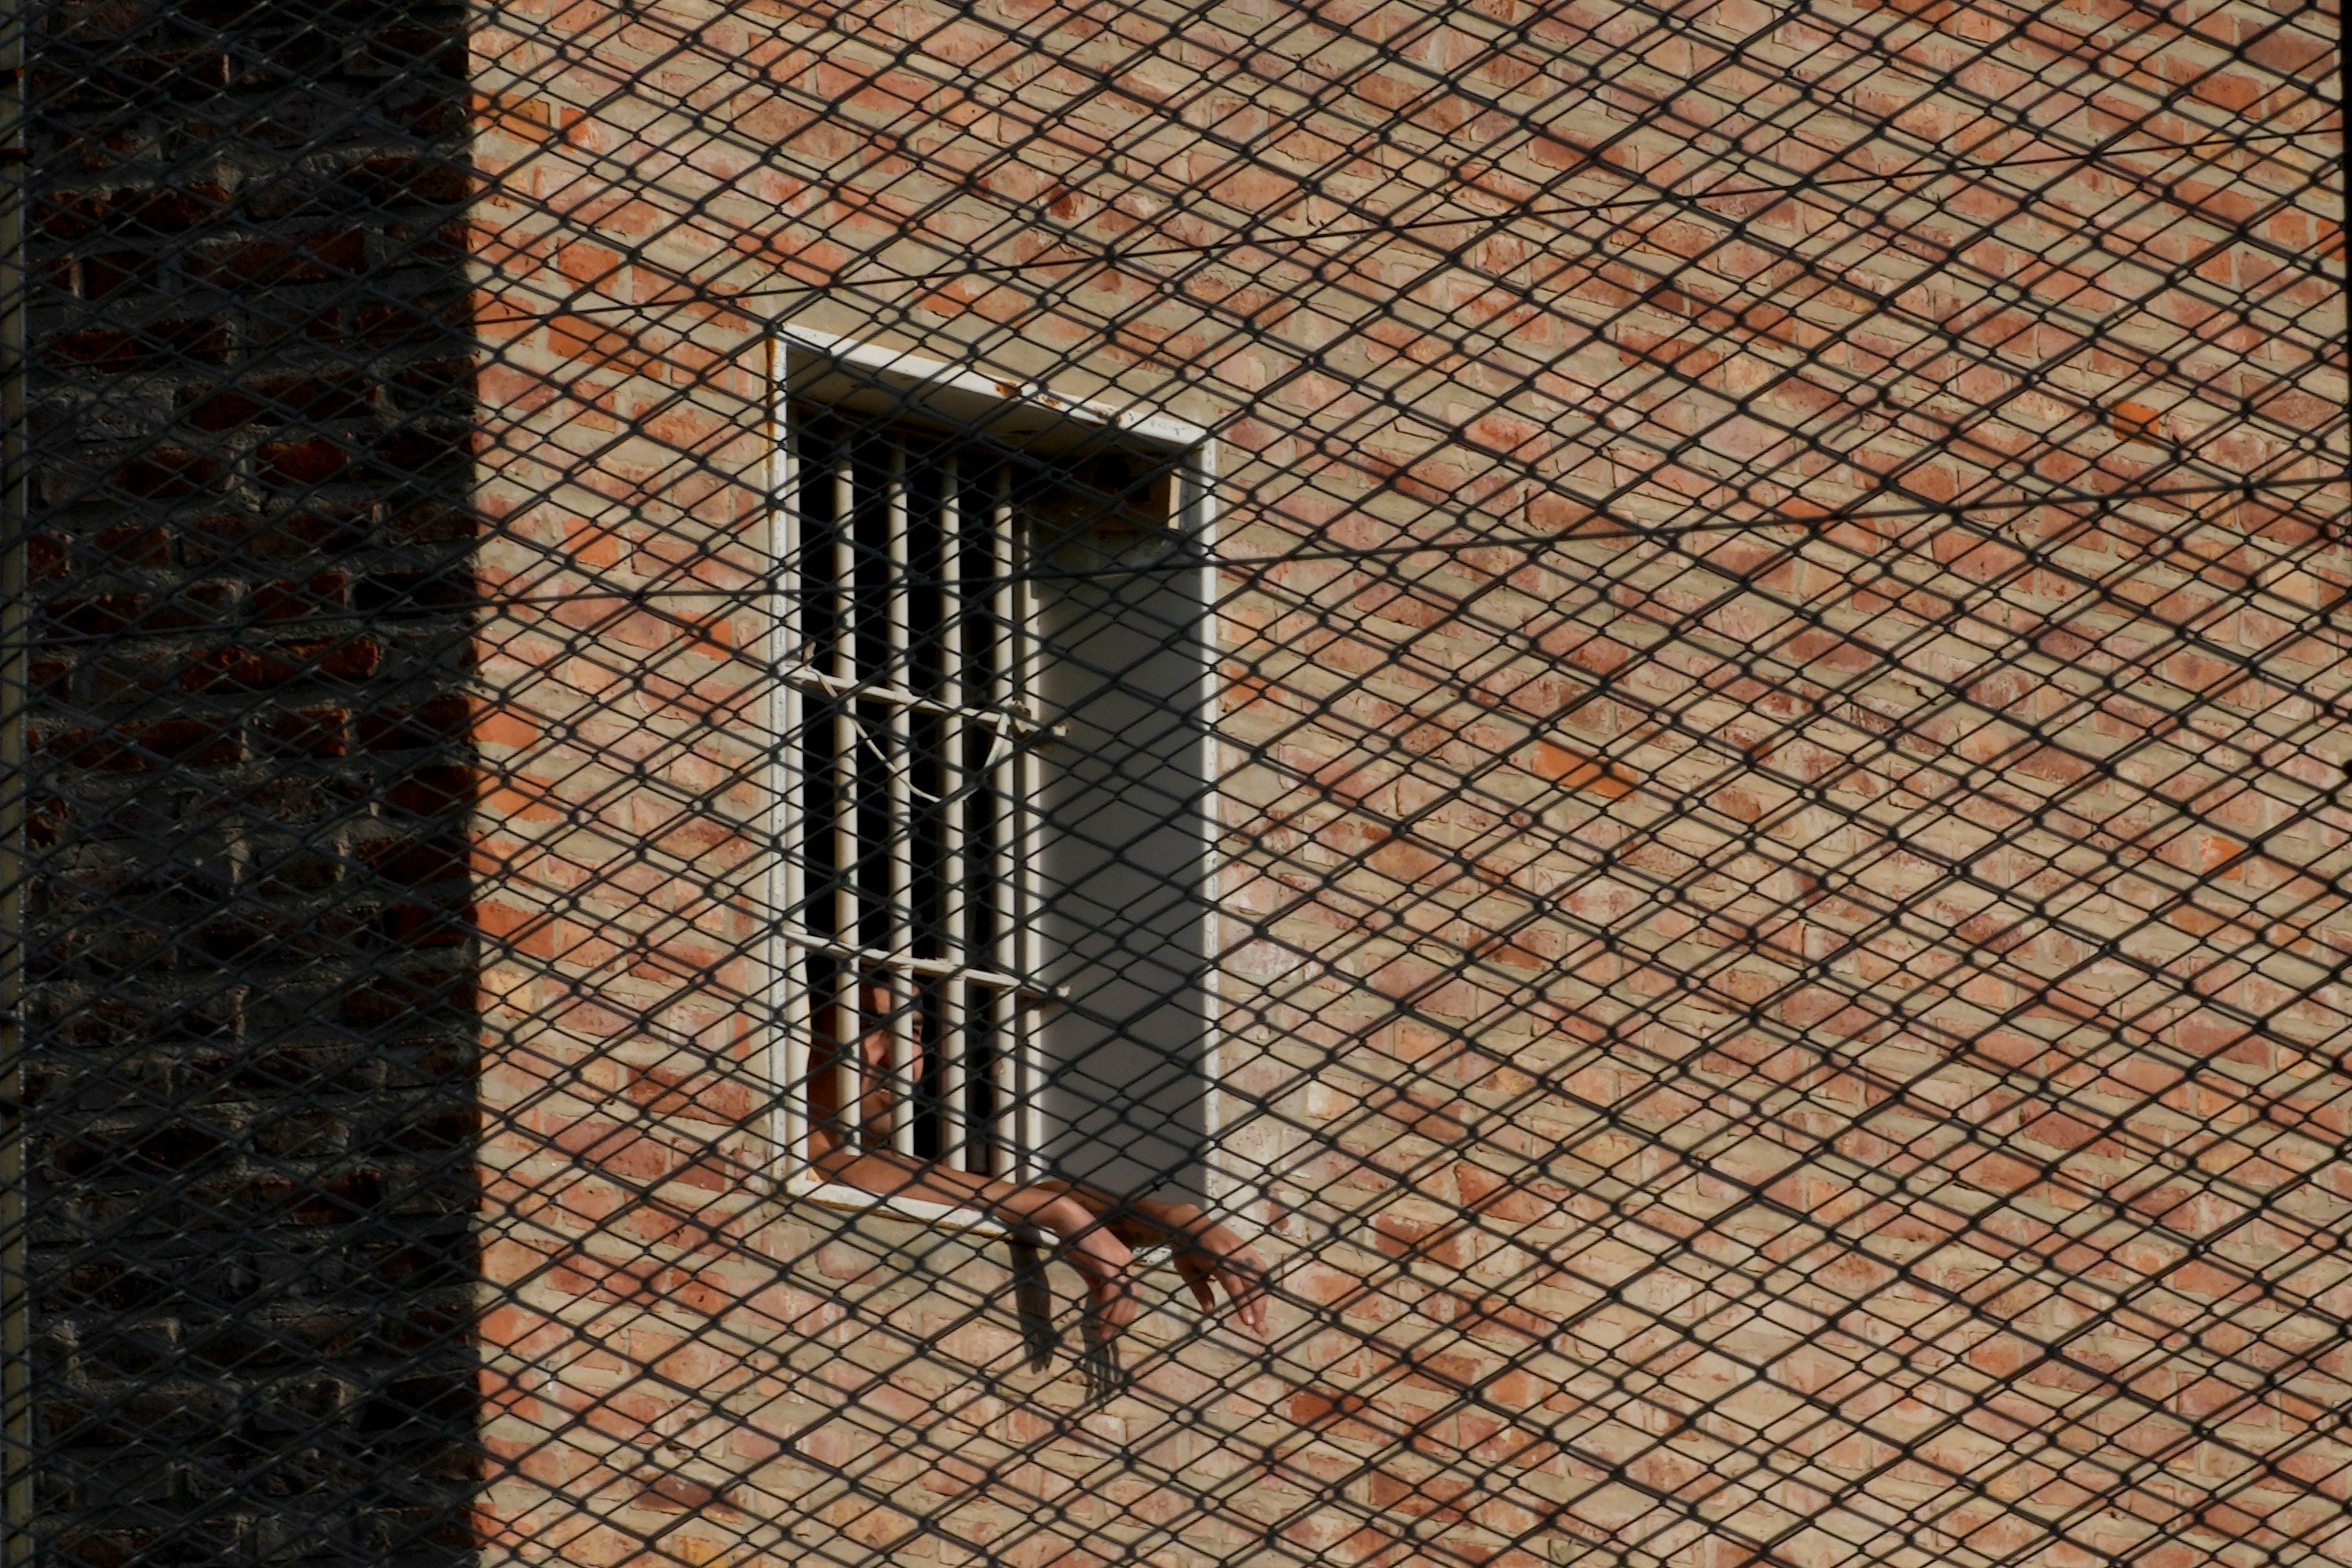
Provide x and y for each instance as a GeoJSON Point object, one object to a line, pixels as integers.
{"type": "Point", "coordinates": [1101, 1256]}
{"type": "Point", "coordinates": [1100, 1231]}
{"type": "Point", "coordinates": [1206, 1253]}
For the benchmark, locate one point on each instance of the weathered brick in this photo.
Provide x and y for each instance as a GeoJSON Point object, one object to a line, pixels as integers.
{"type": "Point", "coordinates": [168, 284]}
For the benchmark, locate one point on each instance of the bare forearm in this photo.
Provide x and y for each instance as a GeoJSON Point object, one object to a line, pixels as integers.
{"type": "Point", "coordinates": [1098, 1228]}
{"type": "Point", "coordinates": [1146, 1221]}
{"type": "Point", "coordinates": [1139, 1221]}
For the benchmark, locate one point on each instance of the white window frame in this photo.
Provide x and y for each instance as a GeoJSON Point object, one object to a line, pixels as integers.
{"type": "Point", "coordinates": [783, 1020]}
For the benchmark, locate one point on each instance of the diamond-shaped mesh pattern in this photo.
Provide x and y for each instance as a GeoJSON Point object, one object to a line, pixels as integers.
{"type": "Point", "coordinates": [742, 722]}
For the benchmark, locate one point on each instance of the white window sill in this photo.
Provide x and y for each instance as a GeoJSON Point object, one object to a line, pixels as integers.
{"type": "Point", "coordinates": [837, 1194]}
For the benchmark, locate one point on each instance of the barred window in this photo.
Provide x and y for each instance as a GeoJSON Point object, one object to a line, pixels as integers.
{"type": "Point", "coordinates": [991, 651]}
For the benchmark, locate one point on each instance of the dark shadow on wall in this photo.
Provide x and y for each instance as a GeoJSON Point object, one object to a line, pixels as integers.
{"type": "Point", "coordinates": [250, 1050]}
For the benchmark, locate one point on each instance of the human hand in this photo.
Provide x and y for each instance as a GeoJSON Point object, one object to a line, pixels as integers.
{"type": "Point", "coordinates": [1105, 1262]}
{"type": "Point", "coordinates": [1218, 1256]}
{"type": "Point", "coordinates": [1206, 1254]}
{"type": "Point", "coordinates": [1098, 1230]}
{"type": "Point", "coordinates": [1210, 1255]}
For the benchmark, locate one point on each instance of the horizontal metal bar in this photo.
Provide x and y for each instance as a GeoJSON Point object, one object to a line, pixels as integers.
{"type": "Point", "coordinates": [906, 963]}
{"type": "Point", "coordinates": [841, 686]}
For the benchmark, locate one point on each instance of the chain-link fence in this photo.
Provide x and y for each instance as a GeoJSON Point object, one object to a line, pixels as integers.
{"type": "Point", "coordinates": [746, 727]}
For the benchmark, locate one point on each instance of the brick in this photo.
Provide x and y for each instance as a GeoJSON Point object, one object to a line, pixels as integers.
{"type": "Point", "coordinates": [276, 400]}
{"type": "Point", "coordinates": [394, 181]}
{"type": "Point", "coordinates": [130, 546]}
{"type": "Point", "coordinates": [194, 344]}
{"type": "Point", "coordinates": [117, 272]}
{"type": "Point", "coordinates": [300, 465]}
{"type": "Point", "coordinates": [320, 529]}
{"type": "Point", "coordinates": [412, 593]}
{"type": "Point", "coordinates": [432, 791]}
{"type": "Point", "coordinates": [315, 732]}
{"type": "Point", "coordinates": [318, 256]}
{"type": "Point", "coordinates": [349, 659]}
{"type": "Point", "coordinates": [413, 925]}
{"type": "Point", "coordinates": [400, 728]}
{"type": "Point", "coordinates": [99, 617]}
{"type": "Point", "coordinates": [416, 449]}
{"type": "Point", "coordinates": [416, 861]}
{"type": "Point", "coordinates": [191, 742]}
{"type": "Point", "coordinates": [165, 473]}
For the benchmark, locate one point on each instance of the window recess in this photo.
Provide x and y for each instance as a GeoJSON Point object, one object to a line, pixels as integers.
{"type": "Point", "coordinates": [990, 889]}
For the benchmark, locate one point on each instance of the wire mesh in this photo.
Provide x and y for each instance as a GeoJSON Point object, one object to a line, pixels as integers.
{"type": "Point", "coordinates": [1544, 781]}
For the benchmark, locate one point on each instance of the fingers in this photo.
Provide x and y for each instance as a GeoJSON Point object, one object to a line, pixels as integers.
{"type": "Point", "coordinates": [1115, 1304]}
{"type": "Point", "coordinates": [1245, 1281]}
{"type": "Point", "coordinates": [1198, 1278]}
{"type": "Point", "coordinates": [1118, 1312]}
{"type": "Point", "coordinates": [1207, 1260]}
{"type": "Point", "coordinates": [1222, 1259]}
{"type": "Point", "coordinates": [1110, 1287]}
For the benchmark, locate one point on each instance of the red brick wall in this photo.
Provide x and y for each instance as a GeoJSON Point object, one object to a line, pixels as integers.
{"type": "Point", "coordinates": [1777, 767]}
{"type": "Point", "coordinates": [250, 1063]}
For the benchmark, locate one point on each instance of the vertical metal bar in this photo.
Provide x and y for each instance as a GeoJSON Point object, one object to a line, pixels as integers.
{"type": "Point", "coordinates": [897, 785]}
{"type": "Point", "coordinates": [16, 1390]}
{"type": "Point", "coordinates": [788, 831]}
{"type": "Point", "coordinates": [1009, 1059]}
{"type": "Point", "coordinates": [955, 1145]}
{"type": "Point", "coordinates": [849, 1044]}
{"type": "Point", "coordinates": [1192, 511]}
{"type": "Point", "coordinates": [1027, 656]}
